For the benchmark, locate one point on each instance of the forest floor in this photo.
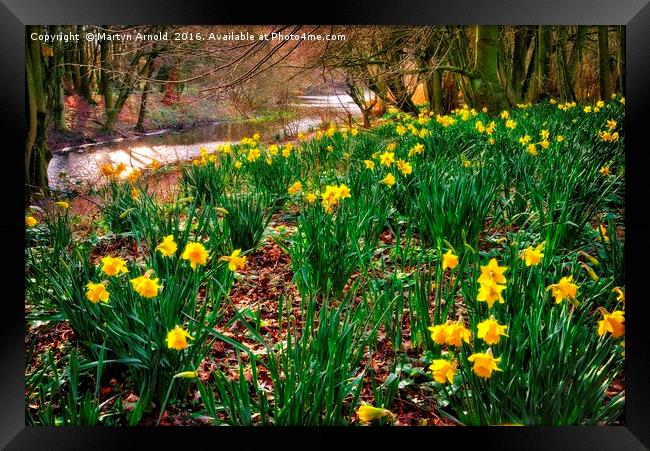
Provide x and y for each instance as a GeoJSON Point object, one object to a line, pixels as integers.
{"type": "Point", "coordinates": [267, 275]}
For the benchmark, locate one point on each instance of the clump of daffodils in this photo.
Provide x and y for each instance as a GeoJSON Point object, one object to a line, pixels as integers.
{"type": "Point", "coordinates": [491, 283]}
{"type": "Point", "coordinates": [333, 195]}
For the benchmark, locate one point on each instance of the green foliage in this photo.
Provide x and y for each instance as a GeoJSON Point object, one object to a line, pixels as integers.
{"type": "Point", "coordinates": [246, 218]}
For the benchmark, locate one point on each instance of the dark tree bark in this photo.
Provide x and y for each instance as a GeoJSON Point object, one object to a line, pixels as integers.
{"type": "Point", "coordinates": [36, 152]}
{"type": "Point", "coordinates": [537, 84]}
{"type": "Point", "coordinates": [565, 74]}
{"type": "Point", "coordinates": [105, 81]}
{"type": "Point", "coordinates": [621, 59]}
{"type": "Point", "coordinates": [143, 99]}
{"type": "Point", "coordinates": [358, 96]}
{"type": "Point", "coordinates": [84, 71]}
{"type": "Point", "coordinates": [487, 89]}
{"type": "Point", "coordinates": [434, 92]}
{"type": "Point", "coordinates": [57, 91]}
{"type": "Point", "coordinates": [604, 74]}
{"type": "Point", "coordinates": [523, 39]}
{"type": "Point", "coordinates": [128, 85]}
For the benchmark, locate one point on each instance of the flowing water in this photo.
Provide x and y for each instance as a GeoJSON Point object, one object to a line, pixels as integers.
{"type": "Point", "coordinates": [82, 164]}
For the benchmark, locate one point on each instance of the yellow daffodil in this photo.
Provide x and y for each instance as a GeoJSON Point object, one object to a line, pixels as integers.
{"type": "Point", "coordinates": [484, 363]}
{"type": "Point", "coordinates": [389, 180]}
{"type": "Point", "coordinates": [134, 175]}
{"type": "Point", "coordinates": [614, 323]}
{"type": "Point", "coordinates": [253, 154]}
{"type": "Point", "coordinates": [177, 338]}
{"type": "Point", "coordinates": [439, 334]}
{"type": "Point", "coordinates": [524, 139]}
{"type": "Point", "coordinates": [330, 195]}
{"type": "Point", "coordinates": [167, 247]}
{"type": "Point", "coordinates": [96, 292]}
{"type": "Point", "coordinates": [30, 221]}
{"type": "Point", "coordinates": [443, 370]}
{"type": "Point", "coordinates": [544, 134]}
{"type": "Point", "coordinates": [620, 292]}
{"type": "Point", "coordinates": [490, 292]}
{"type": "Point", "coordinates": [153, 164]}
{"type": "Point", "coordinates": [195, 253]}
{"type": "Point", "coordinates": [145, 286]}
{"type": "Point", "coordinates": [107, 169]}
{"type": "Point", "coordinates": [387, 158]}
{"type": "Point", "coordinates": [235, 262]}
{"type": "Point", "coordinates": [449, 260]}
{"type": "Point", "coordinates": [559, 138]}
{"type": "Point", "coordinates": [238, 165]}
{"type": "Point", "coordinates": [295, 188]}
{"type": "Point", "coordinates": [531, 256]}
{"type": "Point", "coordinates": [531, 149]}
{"type": "Point", "coordinates": [492, 272]}
{"type": "Point", "coordinates": [605, 171]}
{"type": "Point", "coordinates": [114, 266]}
{"type": "Point", "coordinates": [369, 164]}
{"type": "Point", "coordinates": [311, 198]}
{"type": "Point", "coordinates": [456, 333]}
{"type": "Point", "coordinates": [367, 413]}
{"type": "Point", "coordinates": [286, 151]}
{"type": "Point", "coordinates": [611, 124]}
{"type": "Point", "coordinates": [417, 149]}
{"type": "Point", "coordinates": [544, 144]}
{"type": "Point", "coordinates": [344, 192]}
{"type": "Point", "coordinates": [510, 123]}
{"type": "Point", "coordinates": [564, 289]}
{"type": "Point", "coordinates": [185, 374]}
{"type": "Point", "coordinates": [404, 167]}
{"type": "Point", "coordinates": [490, 331]}
{"type": "Point", "coordinates": [62, 204]}
{"type": "Point", "coordinates": [121, 167]}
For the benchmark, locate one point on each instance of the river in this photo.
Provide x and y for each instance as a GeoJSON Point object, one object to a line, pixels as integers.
{"type": "Point", "coordinates": [81, 165]}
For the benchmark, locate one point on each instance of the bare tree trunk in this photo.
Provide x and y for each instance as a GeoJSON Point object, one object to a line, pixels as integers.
{"type": "Point", "coordinates": [359, 98]}
{"type": "Point", "coordinates": [566, 75]}
{"type": "Point", "coordinates": [84, 72]}
{"type": "Point", "coordinates": [105, 82]}
{"type": "Point", "coordinates": [621, 59]}
{"type": "Point", "coordinates": [143, 99]}
{"type": "Point", "coordinates": [487, 88]}
{"type": "Point", "coordinates": [126, 88]}
{"type": "Point", "coordinates": [36, 152]}
{"type": "Point", "coordinates": [603, 63]}
{"type": "Point", "coordinates": [434, 92]}
{"type": "Point", "coordinates": [58, 96]}
{"type": "Point", "coordinates": [522, 41]}
{"type": "Point", "coordinates": [541, 65]}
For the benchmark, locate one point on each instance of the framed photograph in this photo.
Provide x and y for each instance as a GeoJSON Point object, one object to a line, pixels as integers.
{"type": "Point", "coordinates": [382, 218]}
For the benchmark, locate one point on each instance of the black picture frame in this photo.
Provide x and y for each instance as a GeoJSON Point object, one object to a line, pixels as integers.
{"type": "Point", "coordinates": [15, 14]}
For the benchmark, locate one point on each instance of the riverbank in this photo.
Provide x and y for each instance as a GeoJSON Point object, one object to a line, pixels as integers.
{"type": "Point", "coordinates": [84, 120]}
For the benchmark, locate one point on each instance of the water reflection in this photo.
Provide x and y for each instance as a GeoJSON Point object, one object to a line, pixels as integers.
{"type": "Point", "coordinates": [83, 164]}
